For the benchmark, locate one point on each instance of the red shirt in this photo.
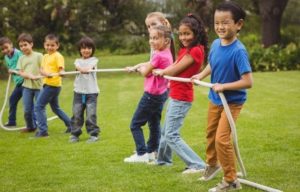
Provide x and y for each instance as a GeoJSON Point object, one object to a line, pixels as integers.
{"type": "Point", "coordinates": [184, 91]}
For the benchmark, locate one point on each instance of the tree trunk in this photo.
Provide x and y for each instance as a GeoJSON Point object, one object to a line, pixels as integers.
{"type": "Point", "coordinates": [271, 13]}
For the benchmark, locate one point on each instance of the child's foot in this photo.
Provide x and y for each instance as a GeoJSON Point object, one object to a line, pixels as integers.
{"type": "Point", "coordinates": [135, 158]}
{"type": "Point", "coordinates": [92, 139]}
{"type": "Point", "coordinates": [210, 172]}
{"type": "Point", "coordinates": [9, 124]}
{"type": "Point", "coordinates": [41, 134]}
{"type": "Point", "coordinates": [73, 139]}
{"type": "Point", "coordinates": [192, 171]}
{"type": "Point", "coordinates": [225, 186]}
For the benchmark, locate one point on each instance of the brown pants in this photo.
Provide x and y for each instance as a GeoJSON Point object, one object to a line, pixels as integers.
{"type": "Point", "coordinates": [219, 146]}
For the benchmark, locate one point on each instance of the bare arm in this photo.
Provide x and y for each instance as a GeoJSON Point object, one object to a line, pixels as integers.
{"type": "Point", "coordinates": [244, 83]}
{"type": "Point", "coordinates": [206, 71]}
{"type": "Point", "coordinates": [27, 75]}
{"type": "Point", "coordinates": [136, 67]}
{"type": "Point", "coordinates": [175, 68]}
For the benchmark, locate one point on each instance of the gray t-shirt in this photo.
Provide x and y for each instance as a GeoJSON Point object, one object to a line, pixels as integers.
{"type": "Point", "coordinates": [86, 83]}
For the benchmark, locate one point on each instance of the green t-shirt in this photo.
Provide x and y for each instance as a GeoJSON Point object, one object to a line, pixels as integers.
{"type": "Point", "coordinates": [11, 63]}
{"type": "Point", "coordinates": [31, 64]}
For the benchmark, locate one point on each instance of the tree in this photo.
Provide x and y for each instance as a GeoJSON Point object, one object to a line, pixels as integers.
{"type": "Point", "coordinates": [271, 13]}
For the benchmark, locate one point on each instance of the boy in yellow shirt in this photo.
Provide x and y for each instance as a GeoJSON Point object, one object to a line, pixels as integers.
{"type": "Point", "coordinates": [53, 62]}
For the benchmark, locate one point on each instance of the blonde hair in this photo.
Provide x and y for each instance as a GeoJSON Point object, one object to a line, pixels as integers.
{"type": "Point", "coordinates": [160, 16]}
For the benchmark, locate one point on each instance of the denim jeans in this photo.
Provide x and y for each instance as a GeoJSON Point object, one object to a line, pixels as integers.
{"type": "Point", "coordinates": [49, 94]}
{"type": "Point", "coordinates": [82, 102]}
{"type": "Point", "coordinates": [14, 98]}
{"type": "Point", "coordinates": [171, 140]}
{"type": "Point", "coordinates": [148, 111]}
{"type": "Point", "coordinates": [28, 101]}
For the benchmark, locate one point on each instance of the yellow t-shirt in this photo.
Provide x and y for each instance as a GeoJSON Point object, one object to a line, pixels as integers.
{"type": "Point", "coordinates": [52, 64]}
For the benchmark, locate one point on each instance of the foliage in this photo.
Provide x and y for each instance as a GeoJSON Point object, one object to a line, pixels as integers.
{"type": "Point", "coordinates": [274, 58]}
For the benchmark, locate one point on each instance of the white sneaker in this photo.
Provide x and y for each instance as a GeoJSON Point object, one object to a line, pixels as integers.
{"type": "Point", "coordinates": [135, 158]}
{"type": "Point", "coordinates": [152, 156]}
{"type": "Point", "coordinates": [192, 171]}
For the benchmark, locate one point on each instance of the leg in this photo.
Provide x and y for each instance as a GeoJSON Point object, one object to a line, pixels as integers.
{"type": "Point", "coordinates": [213, 117]}
{"type": "Point", "coordinates": [43, 99]}
{"type": "Point", "coordinates": [91, 115]}
{"type": "Point", "coordinates": [55, 106]}
{"type": "Point", "coordinates": [139, 119]}
{"type": "Point", "coordinates": [224, 146]}
{"type": "Point", "coordinates": [154, 122]}
{"type": "Point", "coordinates": [175, 117]}
{"type": "Point", "coordinates": [28, 96]}
{"type": "Point", "coordinates": [78, 115]}
{"type": "Point", "coordinates": [13, 104]}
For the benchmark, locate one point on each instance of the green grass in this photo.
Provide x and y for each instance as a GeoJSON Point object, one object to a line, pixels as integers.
{"type": "Point", "coordinates": [268, 131]}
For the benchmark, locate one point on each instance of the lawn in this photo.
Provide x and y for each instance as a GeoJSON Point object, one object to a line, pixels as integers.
{"type": "Point", "coordinates": [268, 131]}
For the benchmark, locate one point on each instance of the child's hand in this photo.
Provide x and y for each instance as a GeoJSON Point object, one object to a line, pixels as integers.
{"type": "Point", "coordinates": [218, 87]}
{"type": "Point", "coordinates": [84, 70]}
{"type": "Point", "coordinates": [158, 72]}
{"type": "Point", "coordinates": [33, 77]}
{"type": "Point", "coordinates": [195, 77]}
{"type": "Point", "coordinates": [130, 69]}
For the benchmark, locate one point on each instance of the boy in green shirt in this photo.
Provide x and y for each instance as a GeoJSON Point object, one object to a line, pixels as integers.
{"type": "Point", "coordinates": [29, 68]}
{"type": "Point", "coordinates": [11, 57]}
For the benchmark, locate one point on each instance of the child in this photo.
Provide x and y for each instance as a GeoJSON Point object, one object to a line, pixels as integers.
{"type": "Point", "coordinates": [29, 68]}
{"type": "Point", "coordinates": [11, 57]}
{"type": "Point", "coordinates": [155, 94]}
{"type": "Point", "coordinates": [193, 43]}
{"type": "Point", "coordinates": [53, 62]}
{"type": "Point", "coordinates": [85, 92]}
{"type": "Point", "coordinates": [231, 75]}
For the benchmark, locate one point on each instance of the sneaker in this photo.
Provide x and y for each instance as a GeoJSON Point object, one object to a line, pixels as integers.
{"type": "Point", "coordinates": [8, 124]}
{"type": "Point", "coordinates": [27, 130]}
{"type": "Point", "coordinates": [226, 186]}
{"type": "Point", "coordinates": [92, 139]}
{"type": "Point", "coordinates": [192, 171]}
{"type": "Point", "coordinates": [40, 134]}
{"type": "Point", "coordinates": [152, 156]}
{"type": "Point", "coordinates": [210, 172]}
{"type": "Point", "coordinates": [135, 158]}
{"type": "Point", "coordinates": [73, 139]}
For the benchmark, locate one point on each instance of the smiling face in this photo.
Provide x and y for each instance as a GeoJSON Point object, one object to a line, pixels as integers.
{"type": "Point", "coordinates": [152, 22]}
{"type": "Point", "coordinates": [7, 49]}
{"type": "Point", "coordinates": [86, 52]}
{"type": "Point", "coordinates": [225, 27]}
{"type": "Point", "coordinates": [157, 41]}
{"type": "Point", "coordinates": [50, 46]}
{"type": "Point", "coordinates": [186, 35]}
{"type": "Point", "coordinates": [26, 47]}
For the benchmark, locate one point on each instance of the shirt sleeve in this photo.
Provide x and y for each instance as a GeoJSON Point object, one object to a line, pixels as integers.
{"type": "Point", "coordinates": [60, 61]}
{"type": "Point", "coordinates": [242, 61]}
{"type": "Point", "coordinates": [155, 61]}
{"type": "Point", "coordinates": [197, 53]}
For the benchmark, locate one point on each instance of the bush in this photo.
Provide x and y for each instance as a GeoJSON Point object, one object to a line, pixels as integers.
{"type": "Point", "coordinates": [273, 58]}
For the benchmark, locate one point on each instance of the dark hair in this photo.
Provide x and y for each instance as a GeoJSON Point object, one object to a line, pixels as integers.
{"type": "Point", "coordinates": [166, 32]}
{"type": "Point", "coordinates": [52, 37]}
{"type": "Point", "coordinates": [25, 37]}
{"type": "Point", "coordinates": [86, 42]}
{"type": "Point", "coordinates": [4, 40]}
{"type": "Point", "coordinates": [237, 12]}
{"type": "Point", "coordinates": [197, 27]}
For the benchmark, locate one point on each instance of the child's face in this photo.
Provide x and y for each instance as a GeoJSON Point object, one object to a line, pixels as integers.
{"type": "Point", "coordinates": [157, 41]}
{"type": "Point", "coordinates": [51, 46]}
{"type": "Point", "coordinates": [186, 35]}
{"type": "Point", "coordinates": [26, 47]}
{"type": "Point", "coordinates": [152, 22]}
{"type": "Point", "coordinates": [225, 27]}
{"type": "Point", "coordinates": [86, 52]}
{"type": "Point", "coordinates": [7, 49]}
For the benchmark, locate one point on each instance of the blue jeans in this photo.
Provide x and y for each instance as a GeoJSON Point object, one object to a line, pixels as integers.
{"type": "Point", "coordinates": [28, 101]}
{"type": "Point", "coordinates": [171, 140]}
{"type": "Point", "coordinates": [49, 94]}
{"type": "Point", "coordinates": [82, 102]}
{"type": "Point", "coordinates": [14, 98]}
{"type": "Point", "coordinates": [149, 110]}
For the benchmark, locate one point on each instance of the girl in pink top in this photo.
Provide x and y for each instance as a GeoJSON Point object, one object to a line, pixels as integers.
{"type": "Point", "coordinates": [155, 94]}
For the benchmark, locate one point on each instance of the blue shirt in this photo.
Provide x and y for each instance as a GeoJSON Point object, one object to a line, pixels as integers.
{"type": "Point", "coordinates": [228, 64]}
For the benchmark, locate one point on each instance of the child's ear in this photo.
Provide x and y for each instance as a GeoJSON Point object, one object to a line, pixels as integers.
{"type": "Point", "coordinates": [240, 24]}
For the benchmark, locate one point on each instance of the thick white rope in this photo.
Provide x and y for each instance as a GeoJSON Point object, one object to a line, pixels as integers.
{"type": "Point", "coordinates": [233, 131]}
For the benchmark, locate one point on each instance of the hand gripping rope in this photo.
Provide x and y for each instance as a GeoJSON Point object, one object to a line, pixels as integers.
{"type": "Point", "coordinates": [233, 132]}
{"type": "Point", "coordinates": [187, 80]}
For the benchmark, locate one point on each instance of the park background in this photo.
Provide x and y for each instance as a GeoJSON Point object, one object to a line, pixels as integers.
{"type": "Point", "coordinates": [268, 127]}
